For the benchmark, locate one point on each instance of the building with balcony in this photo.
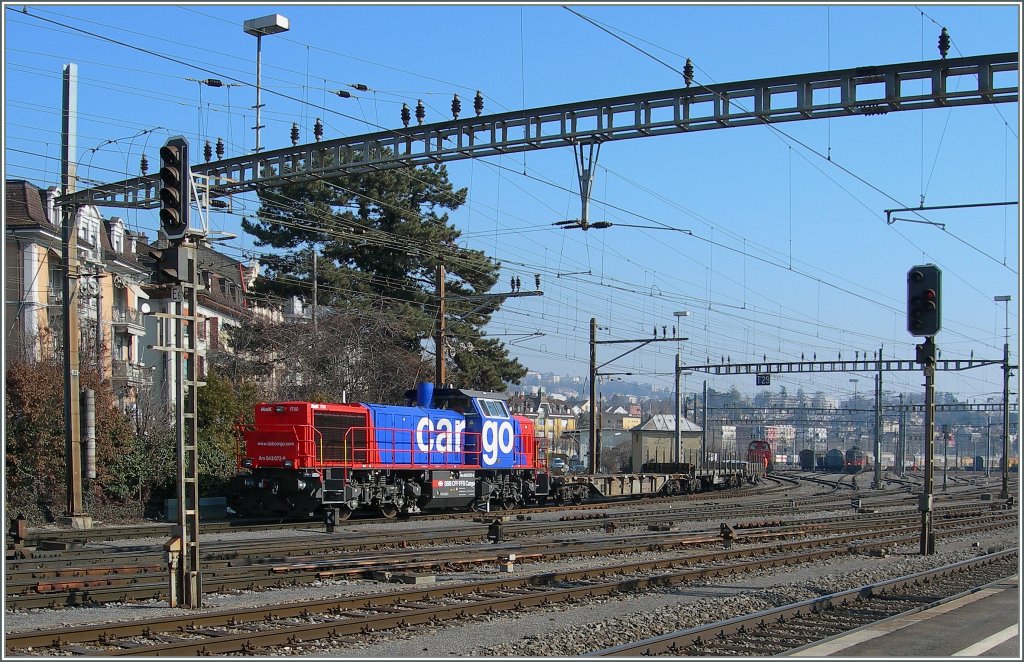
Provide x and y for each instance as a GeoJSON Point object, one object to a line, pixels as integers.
{"type": "Point", "coordinates": [111, 303]}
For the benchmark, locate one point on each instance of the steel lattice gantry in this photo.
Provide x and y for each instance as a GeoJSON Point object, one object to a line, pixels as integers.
{"type": "Point", "coordinates": [863, 365]}
{"type": "Point", "coordinates": [870, 90]}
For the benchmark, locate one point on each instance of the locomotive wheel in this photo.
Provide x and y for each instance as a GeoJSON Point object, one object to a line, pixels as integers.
{"type": "Point", "coordinates": [508, 504]}
{"type": "Point", "coordinates": [389, 510]}
{"type": "Point", "coordinates": [344, 512]}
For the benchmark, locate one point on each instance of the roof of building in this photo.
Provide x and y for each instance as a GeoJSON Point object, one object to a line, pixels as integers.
{"type": "Point", "coordinates": [667, 423]}
{"type": "Point", "coordinates": [25, 205]}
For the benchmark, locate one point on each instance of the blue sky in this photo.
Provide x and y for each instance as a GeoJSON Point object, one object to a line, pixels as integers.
{"type": "Point", "coordinates": [790, 253]}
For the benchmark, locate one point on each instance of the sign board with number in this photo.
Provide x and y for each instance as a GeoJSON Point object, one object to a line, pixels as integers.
{"type": "Point", "coordinates": [764, 379]}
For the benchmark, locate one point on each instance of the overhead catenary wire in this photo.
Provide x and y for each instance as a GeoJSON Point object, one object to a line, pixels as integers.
{"type": "Point", "coordinates": [744, 251]}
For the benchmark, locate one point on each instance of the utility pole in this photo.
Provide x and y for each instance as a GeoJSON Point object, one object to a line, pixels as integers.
{"type": "Point", "coordinates": [901, 455]}
{"type": "Point", "coordinates": [878, 424]}
{"type": "Point", "coordinates": [594, 434]}
{"type": "Point", "coordinates": [945, 460]}
{"type": "Point", "coordinates": [595, 445]}
{"type": "Point", "coordinates": [678, 437]}
{"type": "Point", "coordinates": [988, 445]}
{"type": "Point", "coordinates": [483, 300]}
{"type": "Point", "coordinates": [704, 428]}
{"type": "Point", "coordinates": [314, 292]}
{"type": "Point", "coordinates": [1005, 491]}
{"type": "Point", "coordinates": [75, 516]}
{"type": "Point", "coordinates": [440, 367]}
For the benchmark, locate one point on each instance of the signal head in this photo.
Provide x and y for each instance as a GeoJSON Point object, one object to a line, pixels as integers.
{"type": "Point", "coordinates": [923, 300]}
{"type": "Point", "coordinates": [174, 187]}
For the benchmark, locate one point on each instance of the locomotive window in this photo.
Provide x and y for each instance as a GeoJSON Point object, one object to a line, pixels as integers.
{"type": "Point", "coordinates": [494, 408]}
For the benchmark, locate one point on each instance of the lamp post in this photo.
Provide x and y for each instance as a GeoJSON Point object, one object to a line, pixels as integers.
{"type": "Point", "coordinates": [257, 27]}
{"type": "Point", "coordinates": [1005, 492]}
{"type": "Point", "coordinates": [679, 314]}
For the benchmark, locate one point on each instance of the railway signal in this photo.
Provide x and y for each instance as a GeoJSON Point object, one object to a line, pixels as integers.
{"type": "Point", "coordinates": [923, 302]}
{"type": "Point", "coordinates": [174, 187]}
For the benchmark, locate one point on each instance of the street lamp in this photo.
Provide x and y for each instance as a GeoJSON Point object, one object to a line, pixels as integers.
{"type": "Point", "coordinates": [679, 314]}
{"type": "Point", "coordinates": [264, 25]}
{"type": "Point", "coordinates": [1005, 493]}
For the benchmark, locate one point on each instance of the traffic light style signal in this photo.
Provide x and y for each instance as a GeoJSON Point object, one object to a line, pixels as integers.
{"type": "Point", "coordinates": [923, 300]}
{"type": "Point", "coordinates": [174, 187]}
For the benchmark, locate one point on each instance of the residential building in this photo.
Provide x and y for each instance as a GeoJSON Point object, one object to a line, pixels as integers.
{"type": "Point", "coordinates": [116, 296]}
{"type": "Point", "coordinates": [110, 301]}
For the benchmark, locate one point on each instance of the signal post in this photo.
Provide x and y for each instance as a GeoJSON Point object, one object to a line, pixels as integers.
{"type": "Point", "coordinates": [177, 268]}
{"type": "Point", "coordinates": [924, 319]}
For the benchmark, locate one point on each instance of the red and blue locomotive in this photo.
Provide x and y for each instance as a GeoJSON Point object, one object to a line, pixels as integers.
{"type": "Point", "coordinates": [301, 457]}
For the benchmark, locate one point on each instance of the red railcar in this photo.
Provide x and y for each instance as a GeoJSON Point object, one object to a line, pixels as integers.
{"type": "Point", "coordinates": [760, 452]}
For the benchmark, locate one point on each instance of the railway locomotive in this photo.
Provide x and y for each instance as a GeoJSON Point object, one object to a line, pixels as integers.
{"type": "Point", "coordinates": [302, 456]}
{"type": "Point", "coordinates": [448, 448]}
{"type": "Point", "coordinates": [856, 460]}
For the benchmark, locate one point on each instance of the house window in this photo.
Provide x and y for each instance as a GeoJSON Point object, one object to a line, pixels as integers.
{"type": "Point", "coordinates": [117, 238]}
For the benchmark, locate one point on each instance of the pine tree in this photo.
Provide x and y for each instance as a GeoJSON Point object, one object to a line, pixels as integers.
{"type": "Point", "coordinates": [379, 238]}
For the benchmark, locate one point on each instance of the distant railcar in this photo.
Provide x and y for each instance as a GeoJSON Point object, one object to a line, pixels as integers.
{"type": "Point", "coordinates": [835, 461]}
{"type": "Point", "coordinates": [856, 460]}
{"type": "Point", "coordinates": [760, 451]}
{"type": "Point", "coordinates": [807, 459]}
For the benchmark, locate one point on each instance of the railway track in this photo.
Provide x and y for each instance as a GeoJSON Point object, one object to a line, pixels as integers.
{"type": "Point", "coordinates": [103, 575]}
{"type": "Point", "coordinates": [81, 577]}
{"type": "Point", "coordinates": [788, 628]}
{"type": "Point", "coordinates": [58, 539]}
{"type": "Point", "coordinates": [250, 631]}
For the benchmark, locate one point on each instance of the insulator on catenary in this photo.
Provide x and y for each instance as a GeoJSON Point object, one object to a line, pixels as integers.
{"type": "Point", "coordinates": [343, 94]}
{"type": "Point", "coordinates": [359, 86]}
{"type": "Point", "coordinates": [207, 151]}
{"type": "Point", "coordinates": [688, 72]}
{"type": "Point", "coordinates": [318, 130]}
{"type": "Point", "coordinates": [420, 111]}
{"type": "Point", "coordinates": [456, 106]}
{"type": "Point", "coordinates": [536, 281]}
{"type": "Point", "coordinates": [144, 165]}
{"type": "Point", "coordinates": [478, 103]}
{"type": "Point", "coordinates": [220, 148]}
{"type": "Point", "coordinates": [406, 116]}
{"type": "Point", "coordinates": [295, 134]}
{"type": "Point", "coordinates": [943, 43]}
